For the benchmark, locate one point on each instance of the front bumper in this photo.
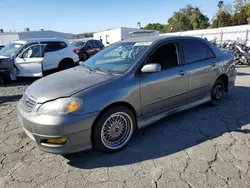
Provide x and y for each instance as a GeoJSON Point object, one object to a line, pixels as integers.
{"type": "Point", "coordinates": [77, 129]}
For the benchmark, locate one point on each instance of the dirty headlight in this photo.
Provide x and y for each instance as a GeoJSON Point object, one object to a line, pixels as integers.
{"type": "Point", "coordinates": [60, 106]}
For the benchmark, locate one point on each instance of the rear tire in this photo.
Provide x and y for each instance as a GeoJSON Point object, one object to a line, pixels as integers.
{"type": "Point", "coordinates": [217, 93]}
{"type": "Point", "coordinates": [66, 64]}
{"type": "Point", "coordinates": [114, 129]}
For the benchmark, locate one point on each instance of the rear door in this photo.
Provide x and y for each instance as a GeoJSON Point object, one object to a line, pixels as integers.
{"type": "Point", "coordinates": [201, 65]}
{"type": "Point", "coordinates": [53, 54]}
{"type": "Point", "coordinates": [29, 63]}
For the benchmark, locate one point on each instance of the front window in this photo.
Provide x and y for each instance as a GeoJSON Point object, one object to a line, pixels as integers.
{"type": "Point", "coordinates": [10, 49]}
{"type": "Point", "coordinates": [117, 58]}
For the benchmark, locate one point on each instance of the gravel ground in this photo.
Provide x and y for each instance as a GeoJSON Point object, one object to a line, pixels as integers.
{"type": "Point", "coordinates": [205, 147]}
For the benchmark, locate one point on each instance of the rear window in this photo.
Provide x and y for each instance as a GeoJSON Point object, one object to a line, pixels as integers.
{"type": "Point", "coordinates": [54, 46]}
{"type": "Point", "coordinates": [210, 53]}
{"type": "Point", "coordinates": [196, 51]}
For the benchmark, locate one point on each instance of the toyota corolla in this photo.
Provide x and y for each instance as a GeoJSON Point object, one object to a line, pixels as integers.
{"type": "Point", "coordinates": [131, 84]}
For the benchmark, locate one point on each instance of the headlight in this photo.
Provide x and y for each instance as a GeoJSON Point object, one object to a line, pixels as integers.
{"type": "Point", "coordinates": [60, 106]}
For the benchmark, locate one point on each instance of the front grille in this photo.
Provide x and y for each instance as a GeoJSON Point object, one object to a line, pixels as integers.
{"type": "Point", "coordinates": [28, 102]}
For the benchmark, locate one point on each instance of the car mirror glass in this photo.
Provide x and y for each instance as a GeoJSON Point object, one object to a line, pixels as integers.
{"type": "Point", "coordinates": [151, 68]}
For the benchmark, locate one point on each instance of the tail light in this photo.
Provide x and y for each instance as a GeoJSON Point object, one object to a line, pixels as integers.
{"type": "Point", "coordinates": [76, 51]}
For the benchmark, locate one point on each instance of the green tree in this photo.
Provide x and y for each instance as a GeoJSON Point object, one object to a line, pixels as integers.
{"type": "Point", "coordinates": [188, 11]}
{"type": "Point", "coordinates": [220, 4]}
{"type": "Point", "coordinates": [247, 9]}
{"type": "Point", "coordinates": [188, 18]}
{"type": "Point", "coordinates": [215, 23]}
{"type": "Point", "coordinates": [238, 4]}
{"type": "Point", "coordinates": [179, 22]}
{"type": "Point", "coordinates": [239, 18]}
{"type": "Point", "coordinates": [199, 20]}
{"type": "Point", "coordinates": [242, 16]}
{"type": "Point", "coordinates": [223, 17]}
{"type": "Point", "coordinates": [157, 27]}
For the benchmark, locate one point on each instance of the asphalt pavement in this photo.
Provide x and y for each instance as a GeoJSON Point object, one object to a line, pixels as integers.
{"type": "Point", "coordinates": [206, 147]}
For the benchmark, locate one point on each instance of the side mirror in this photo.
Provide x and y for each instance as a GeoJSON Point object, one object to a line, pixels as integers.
{"type": "Point", "coordinates": [150, 68]}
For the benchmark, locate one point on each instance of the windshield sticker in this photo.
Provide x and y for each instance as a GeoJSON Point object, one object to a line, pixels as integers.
{"type": "Point", "coordinates": [143, 43]}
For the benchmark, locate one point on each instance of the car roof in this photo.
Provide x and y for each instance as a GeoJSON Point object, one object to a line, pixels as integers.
{"type": "Point", "coordinates": [157, 38]}
{"type": "Point", "coordinates": [39, 40]}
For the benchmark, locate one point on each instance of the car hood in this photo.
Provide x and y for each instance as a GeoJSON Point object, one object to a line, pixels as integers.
{"type": "Point", "coordinates": [66, 83]}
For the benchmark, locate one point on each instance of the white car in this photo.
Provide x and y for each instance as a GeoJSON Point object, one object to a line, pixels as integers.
{"type": "Point", "coordinates": [30, 58]}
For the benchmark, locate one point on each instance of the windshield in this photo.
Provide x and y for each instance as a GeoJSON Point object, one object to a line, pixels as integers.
{"type": "Point", "coordinates": [117, 58]}
{"type": "Point", "coordinates": [10, 49]}
{"type": "Point", "coordinates": [78, 43]}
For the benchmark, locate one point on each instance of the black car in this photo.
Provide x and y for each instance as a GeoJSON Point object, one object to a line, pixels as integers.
{"type": "Point", "coordinates": [1, 46]}
{"type": "Point", "coordinates": [86, 49]}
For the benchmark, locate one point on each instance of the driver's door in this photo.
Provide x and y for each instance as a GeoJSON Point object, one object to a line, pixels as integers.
{"type": "Point", "coordinates": [167, 89]}
{"type": "Point", "coordinates": [29, 63]}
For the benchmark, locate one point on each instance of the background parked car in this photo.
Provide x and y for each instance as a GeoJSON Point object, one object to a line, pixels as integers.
{"type": "Point", "coordinates": [86, 49]}
{"type": "Point", "coordinates": [32, 57]}
{"type": "Point", "coordinates": [1, 46]}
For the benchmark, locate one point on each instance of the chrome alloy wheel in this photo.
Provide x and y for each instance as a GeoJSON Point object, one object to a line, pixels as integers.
{"type": "Point", "coordinates": [117, 130]}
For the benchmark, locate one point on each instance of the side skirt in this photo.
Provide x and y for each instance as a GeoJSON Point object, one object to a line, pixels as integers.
{"type": "Point", "coordinates": [143, 122]}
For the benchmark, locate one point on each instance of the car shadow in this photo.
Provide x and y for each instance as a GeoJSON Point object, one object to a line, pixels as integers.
{"type": "Point", "coordinates": [176, 133]}
{"type": "Point", "coordinates": [12, 98]}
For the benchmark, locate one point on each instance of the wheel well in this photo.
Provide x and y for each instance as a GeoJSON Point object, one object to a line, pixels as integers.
{"type": "Point", "coordinates": [224, 78]}
{"type": "Point", "coordinates": [66, 60]}
{"type": "Point", "coordinates": [125, 104]}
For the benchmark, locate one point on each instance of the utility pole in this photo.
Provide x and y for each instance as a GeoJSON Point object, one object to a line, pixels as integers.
{"type": "Point", "coordinates": [139, 24]}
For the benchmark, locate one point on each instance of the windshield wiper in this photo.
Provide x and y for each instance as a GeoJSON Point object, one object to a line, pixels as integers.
{"type": "Point", "coordinates": [90, 69]}
{"type": "Point", "coordinates": [98, 69]}
{"type": "Point", "coordinates": [106, 71]}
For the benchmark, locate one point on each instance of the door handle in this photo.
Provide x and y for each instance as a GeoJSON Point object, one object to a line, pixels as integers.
{"type": "Point", "coordinates": [182, 72]}
{"type": "Point", "coordinates": [213, 64]}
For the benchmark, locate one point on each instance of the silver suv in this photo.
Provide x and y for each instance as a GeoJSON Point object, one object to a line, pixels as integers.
{"type": "Point", "coordinates": [125, 87]}
{"type": "Point", "coordinates": [34, 57]}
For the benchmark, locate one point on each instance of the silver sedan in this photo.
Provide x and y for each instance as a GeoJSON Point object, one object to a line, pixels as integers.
{"type": "Point", "coordinates": [127, 86]}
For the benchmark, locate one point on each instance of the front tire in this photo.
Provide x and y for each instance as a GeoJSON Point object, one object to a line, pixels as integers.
{"type": "Point", "coordinates": [114, 129]}
{"type": "Point", "coordinates": [217, 93]}
{"type": "Point", "coordinates": [85, 56]}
